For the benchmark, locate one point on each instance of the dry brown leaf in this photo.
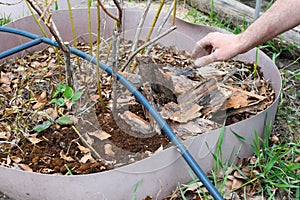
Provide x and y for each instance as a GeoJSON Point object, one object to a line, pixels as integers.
{"type": "Point", "coordinates": [65, 157]}
{"type": "Point", "coordinates": [297, 159]}
{"type": "Point", "coordinates": [86, 158]}
{"type": "Point", "coordinates": [6, 88]}
{"type": "Point", "coordinates": [52, 113]}
{"type": "Point", "coordinates": [108, 150]}
{"type": "Point", "coordinates": [34, 140]}
{"type": "Point", "coordinates": [48, 75]}
{"type": "Point", "coordinates": [4, 80]}
{"type": "Point", "coordinates": [46, 171]}
{"type": "Point", "coordinates": [8, 160]}
{"type": "Point", "coordinates": [83, 149]}
{"type": "Point", "coordinates": [38, 105]}
{"type": "Point", "coordinates": [42, 97]}
{"type": "Point", "coordinates": [101, 135]}
{"type": "Point", "coordinates": [95, 97]}
{"type": "Point", "coordinates": [35, 64]}
{"type": "Point", "coordinates": [4, 135]}
{"type": "Point", "coordinates": [193, 186]}
{"type": "Point", "coordinates": [236, 183]}
{"type": "Point", "coordinates": [237, 100]}
{"type": "Point", "coordinates": [16, 159]}
{"type": "Point", "coordinates": [236, 174]}
{"type": "Point", "coordinates": [25, 167]}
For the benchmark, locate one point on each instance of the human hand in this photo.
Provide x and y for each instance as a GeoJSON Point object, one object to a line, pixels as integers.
{"type": "Point", "coordinates": [217, 47]}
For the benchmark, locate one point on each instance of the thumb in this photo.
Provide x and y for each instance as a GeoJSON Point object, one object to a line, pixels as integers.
{"type": "Point", "coordinates": [204, 60]}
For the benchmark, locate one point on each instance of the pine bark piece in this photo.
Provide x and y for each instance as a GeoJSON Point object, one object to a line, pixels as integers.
{"type": "Point", "coordinates": [181, 113]}
{"type": "Point", "coordinates": [206, 94]}
{"type": "Point", "coordinates": [135, 124]}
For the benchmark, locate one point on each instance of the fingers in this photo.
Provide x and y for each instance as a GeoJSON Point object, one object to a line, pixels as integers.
{"type": "Point", "coordinates": [203, 47]}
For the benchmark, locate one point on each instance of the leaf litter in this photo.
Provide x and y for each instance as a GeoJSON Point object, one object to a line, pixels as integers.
{"type": "Point", "coordinates": [186, 97]}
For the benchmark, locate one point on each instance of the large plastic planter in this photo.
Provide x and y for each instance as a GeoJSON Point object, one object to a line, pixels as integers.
{"type": "Point", "coordinates": [160, 173]}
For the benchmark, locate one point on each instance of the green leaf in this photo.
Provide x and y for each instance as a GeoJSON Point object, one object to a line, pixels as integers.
{"type": "Point", "coordinates": [43, 126]}
{"type": "Point", "coordinates": [58, 102]}
{"type": "Point", "coordinates": [64, 120]}
{"type": "Point", "coordinates": [68, 93]}
{"type": "Point", "coordinates": [60, 89]}
{"type": "Point", "coordinates": [76, 96]}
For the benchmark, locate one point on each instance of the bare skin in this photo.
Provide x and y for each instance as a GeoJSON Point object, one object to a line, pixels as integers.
{"type": "Point", "coordinates": [282, 16]}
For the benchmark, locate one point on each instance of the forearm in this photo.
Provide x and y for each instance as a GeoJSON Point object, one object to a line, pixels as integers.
{"type": "Point", "coordinates": [282, 16]}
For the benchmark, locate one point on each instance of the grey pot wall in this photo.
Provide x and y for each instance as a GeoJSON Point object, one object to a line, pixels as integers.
{"type": "Point", "coordinates": [160, 173]}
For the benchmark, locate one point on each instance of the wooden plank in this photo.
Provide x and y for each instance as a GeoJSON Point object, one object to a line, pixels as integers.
{"type": "Point", "coordinates": [240, 11]}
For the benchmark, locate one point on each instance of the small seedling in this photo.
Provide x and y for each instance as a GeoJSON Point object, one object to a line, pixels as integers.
{"type": "Point", "coordinates": [65, 94]}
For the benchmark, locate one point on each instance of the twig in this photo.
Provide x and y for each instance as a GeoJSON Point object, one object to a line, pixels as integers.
{"type": "Point", "coordinates": [73, 29]}
{"type": "Point", "coordinates": [174, 12]}
{"type": "Point", "coordinates": [115, 53]}
{"type": "Point", "coordinates": [90, 27]}
{"type": "Point", "coordinates": [140, 25]}
{"type": "Point", "coordinates": [243, 92]}
{"type": "Point", "coordinates": [50, 24]}
{"type": "Point", "coordinates": [172, 28]}
{"type": "Point", "coordinates": [163, 22]}
{"type": "Point", "coordinates": [69, 70]}
{"type": "Point", "coordinates": [98, 75]}
{"type": "Point", "coordinates": [154, 21]}
{"type": "Point", "coordinates": [45, 10]}
{"type": "Point", "coordinates": [106, 11]}
{"type": "Point", "coordinates": [119, 21]}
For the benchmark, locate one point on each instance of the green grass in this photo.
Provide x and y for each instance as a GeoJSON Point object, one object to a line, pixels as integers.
{"type": "Point", "coordinates": [274, 172]}
{"type": "Point", "coordinates": [4, 19]}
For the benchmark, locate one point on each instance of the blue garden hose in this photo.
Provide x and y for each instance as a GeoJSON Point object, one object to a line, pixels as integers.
{"type": "Point", "coordinates": [161, 122]}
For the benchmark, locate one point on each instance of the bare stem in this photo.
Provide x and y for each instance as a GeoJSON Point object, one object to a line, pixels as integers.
{"type": "Point", "coordinates": [90, 27]}
{"type": "Point", "coordinates": [174, 12]}
{"type": "Point", "coordinates": [172, 28]}
{"type": "Point", "coordinates": [50, 25]}
{"type": "Point", "coordinates": [98, 75]}
{"type": "Point", "coordinates": [159, 29]}
{"type": "Point", "coordinates": [73, 29]}
{"type": "Point", "coordinates": [140, 25]}
{"type": "Point", "coordinates": [119, 21]}
{"type": "Point", "coordinates": [106, 11]}
{"type": "Point", "coordinates": [115, 52]}
{"type": "Point", "coordinates": [154, 20]}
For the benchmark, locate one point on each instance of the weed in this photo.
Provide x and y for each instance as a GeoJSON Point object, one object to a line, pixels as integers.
{"type": "Point", "coordinates": [65, 97]}
{"type": "Point", "coordinates": [4, 19]}
{"type": "Point", "coordinates": [65, 94]}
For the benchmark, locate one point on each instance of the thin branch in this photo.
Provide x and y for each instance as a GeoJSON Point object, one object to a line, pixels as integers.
{"type": "Point", "coordinates": [163, 22]}
{"type": "Point", "coordinates": [50, 24]}
{"type": "Point", "coordinates": [174, 12]}
{"type": "Point", "coordinates": [46, 9]}
{"type": "Point", "coordinates": [106, 11]}
{"type": "Point", "coordinates": [120, 14]}
{"type": "Point", "coordinates": [140, 25]}
{"type": "Point", "coordinates": [172, 28]}
{"type": "Point", "coordinates": [155, 20]}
